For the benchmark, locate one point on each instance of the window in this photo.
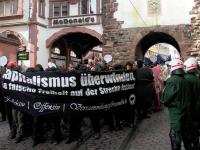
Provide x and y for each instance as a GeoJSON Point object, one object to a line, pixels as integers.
{"type": "Point", "coordinates": [64, 9]}
{"type": "Point", "coordinates": [13, 37]}
{"type": "Point", "coordinates": [8, 7]}
{"type": "Point", "coordinates": [1, 8]}
{"type": "Point", "coordinates": [56, 9]}
{"type": "Point", "coordinates": [56, 51]}
{"type": "Point", "coordinates": [88, 6]}
{"type": "Point", "coordinates": [14, 6]}
{"type": "Point", "coordinates": [93, 6]}
{"type": "Point", "coordinates": [41, 7]}
{"type": "Point", "coordinates": [84, 7]}
{"type": "Point", "coordinates": [60, 8]}
{"type": "Point", "coordinates": [72, 54]}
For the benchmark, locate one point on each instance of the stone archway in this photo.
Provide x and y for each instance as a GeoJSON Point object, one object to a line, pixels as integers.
{"type": "Point", "coordinates": [177, 36]}
{"type": "Point", "coordinates": [78, 40]}
{"type": "Point", "coordinates": [18, 42]}
{"type": "Point", "coordinates": [151, 39]}
{"type": "Point", "coordinates": [15, 34]}
{"type": "Point", "coordinates": [125, 44]}
{"type": "Point", "coordinates": [66, 31]}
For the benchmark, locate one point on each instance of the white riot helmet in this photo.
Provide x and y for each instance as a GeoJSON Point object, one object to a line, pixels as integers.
{"type": "Point", "coordinates": [176, 64]}
{"type": "Point", "coordinates": [190, 63]}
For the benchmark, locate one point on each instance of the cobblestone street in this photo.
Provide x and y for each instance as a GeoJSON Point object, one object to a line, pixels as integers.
{"type": "Point", "coordinates": [152, 133]}
{"type": "Point", "coordinates": [108, 141]}
{"type": "Point", "coordinates": [26, 144]}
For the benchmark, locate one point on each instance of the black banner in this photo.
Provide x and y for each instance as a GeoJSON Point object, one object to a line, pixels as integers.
{"type": "Point", "coordinates": [57, 92]}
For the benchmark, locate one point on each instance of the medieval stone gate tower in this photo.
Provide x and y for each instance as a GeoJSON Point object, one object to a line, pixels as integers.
{"type": "Point", "coordinates": [128, 44]}
{"type": "Point", "coordinates": [195, 28]}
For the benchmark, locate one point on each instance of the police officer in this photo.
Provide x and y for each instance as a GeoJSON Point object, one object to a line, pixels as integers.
{"type": "Point", "coordinates": [176, 96]}
{"type": "Point", "coordinates": [192, 78]}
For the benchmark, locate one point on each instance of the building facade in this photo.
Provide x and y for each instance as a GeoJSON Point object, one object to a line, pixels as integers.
{"type": "Point", "coordinates": [53, 29]}
{"type": "Point", "coordinates": [67, 30]}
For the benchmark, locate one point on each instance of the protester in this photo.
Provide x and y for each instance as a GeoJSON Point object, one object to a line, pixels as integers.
{"type": "Point", "coordinates": [10, 65]}
{"type": "Point", "coordinates": [97, 65]}
{"type": "Point", "coordinates": [177, 97]}
{"type": "Point", "coordinates": [37, 131]}
{"type": "Point", "coordinates": [16, 118]}
{"type": "Point", "coordinates": [71, 67]}
{"type": "Point", "coordinates": [130, 112]}
{"type": "Point", "coordinates": [159, 85]}
{"type": "Point", "coordinates": [118, 112]}
{"type": "Point", "coordinates": [145, 91]}
{"type": "Point", "coordinates": [73, 118]}
{"type": "Point", "coordinates": [96, 116]}
{"type": "Point", "coordinates": [51, 64]}
{"type": "Point", "coordinates": [55, 119]}
{"type": "Point", "coordinates": [38, 67]}
{"type": "Point", "coordinates": [128, 66]}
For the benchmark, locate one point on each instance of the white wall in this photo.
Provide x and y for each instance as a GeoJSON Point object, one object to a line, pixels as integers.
{"type": "Point", "coordinates": [73, 10]}
{"type": "Point", "coordinates": [173, 12]}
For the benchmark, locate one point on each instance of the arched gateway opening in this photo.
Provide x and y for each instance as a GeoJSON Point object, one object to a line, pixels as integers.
{"type": "Point", "coordinates": [15, 45]}
{"type": "Point", "coordinates": [72, 44]}
{"type": "Point", "coordinates": [154, 38]}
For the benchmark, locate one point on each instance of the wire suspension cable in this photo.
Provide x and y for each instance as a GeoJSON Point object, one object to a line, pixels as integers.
{"type": "Point", "coordinates": [138, 13]}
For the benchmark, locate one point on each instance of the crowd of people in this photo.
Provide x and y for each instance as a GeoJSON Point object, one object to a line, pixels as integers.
{"type": "Point", "coordinates": [149, 84]}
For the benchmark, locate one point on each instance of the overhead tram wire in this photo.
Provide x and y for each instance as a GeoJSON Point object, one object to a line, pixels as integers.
{"type": "Point", "coordinates": [138, 13]}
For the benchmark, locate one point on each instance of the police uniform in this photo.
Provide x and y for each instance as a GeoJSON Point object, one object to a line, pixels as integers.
{"type": "Point", "coordinates": [192, 78]}
{"type": "Point", "coordinates": [176, 96]}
